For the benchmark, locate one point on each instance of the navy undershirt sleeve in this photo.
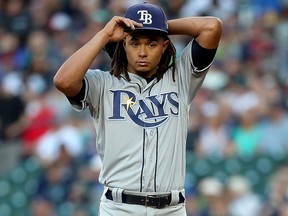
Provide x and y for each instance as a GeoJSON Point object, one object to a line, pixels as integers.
{"type": "Point", "coordinates": [80, 96]}
{"type": "Point", "coordinates": [201, 56]}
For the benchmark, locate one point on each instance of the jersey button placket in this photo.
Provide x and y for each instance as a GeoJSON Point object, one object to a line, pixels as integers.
{"type": "Point", "coordinates": [150, 132]}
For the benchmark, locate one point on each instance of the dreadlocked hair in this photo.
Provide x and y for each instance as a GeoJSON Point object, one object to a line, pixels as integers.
{"type": "Point", "coordinates": [168, 60]}
{"type": "Point", "coordinates": [119, 62]}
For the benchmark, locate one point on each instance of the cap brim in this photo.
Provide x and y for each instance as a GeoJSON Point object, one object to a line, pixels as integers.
{"type": "Point", "coordinates": [149, 29]}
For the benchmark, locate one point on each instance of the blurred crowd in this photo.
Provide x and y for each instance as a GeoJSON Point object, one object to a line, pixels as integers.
{"type": "Point", "coordinates": [241, 110]}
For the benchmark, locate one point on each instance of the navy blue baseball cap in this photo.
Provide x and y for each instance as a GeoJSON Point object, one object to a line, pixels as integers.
{"type": "Point", "coordinates": [151, 16]}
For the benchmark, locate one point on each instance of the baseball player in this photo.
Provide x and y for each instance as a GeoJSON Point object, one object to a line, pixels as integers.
{"type": "Point", "coordinates": [140, 108]}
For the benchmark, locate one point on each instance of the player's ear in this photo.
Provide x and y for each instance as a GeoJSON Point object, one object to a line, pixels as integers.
{"type": "Point", "coordinates": [124, 44]}
{"type": "Point", "coordinates": [165, 45]}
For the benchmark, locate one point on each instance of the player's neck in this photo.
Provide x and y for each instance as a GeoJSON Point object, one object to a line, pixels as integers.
{"type": "Point", "coordinates": [148, 80]}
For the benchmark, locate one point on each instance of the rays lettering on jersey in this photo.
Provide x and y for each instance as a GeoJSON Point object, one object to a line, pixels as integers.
{"type": "Point", "coordinates": [148, 112]}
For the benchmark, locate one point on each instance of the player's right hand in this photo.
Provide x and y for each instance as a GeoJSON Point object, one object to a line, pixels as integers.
{"type": "Point", "coordinates": [119, 27]}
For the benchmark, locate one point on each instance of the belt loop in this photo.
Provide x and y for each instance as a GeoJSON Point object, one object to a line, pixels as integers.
{"type": "Point", "coordinates": [117, 194]}
{"type": "Point", "coordinates": [174, 197]}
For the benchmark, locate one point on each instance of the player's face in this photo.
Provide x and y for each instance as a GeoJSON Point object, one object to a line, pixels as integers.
{"type": "Point", "coordinates": [144, 53]}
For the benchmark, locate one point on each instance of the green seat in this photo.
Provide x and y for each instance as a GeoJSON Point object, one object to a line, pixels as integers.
{"type": "Point", "coordinates": [66, 209]}
{"type": "Point", "coordinates": [233, 166]}
{"type": "Point", "coordinates": [18, 200]}
{"type": "Point", "coordinates": [202, 168]}
{"type": "Point", "coordinates": [18, 175]}
{"type": "Point", "coordinates": [30, 186]}
{"type": "Point", "coordinates": [5, 210]}
{"type": "Point", "coordinates": [5, 188]}
{"type": "Point", "coordinates": [265, 165]}
{"type": "Point", "coordinates": [32, 165]}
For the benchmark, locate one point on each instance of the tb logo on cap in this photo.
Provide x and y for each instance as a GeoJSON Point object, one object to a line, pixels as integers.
{"type": "Point", "coordinates": [145, 16]}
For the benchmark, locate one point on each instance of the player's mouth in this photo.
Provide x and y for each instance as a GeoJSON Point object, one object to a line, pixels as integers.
{"type": "Point", "coordinates": [142, 63]}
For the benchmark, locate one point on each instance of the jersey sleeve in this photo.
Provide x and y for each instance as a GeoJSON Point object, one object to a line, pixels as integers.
{"type": "Point", "coordinates": [189, 76]}
{"type": "Point", "coordinates": [93, 88]}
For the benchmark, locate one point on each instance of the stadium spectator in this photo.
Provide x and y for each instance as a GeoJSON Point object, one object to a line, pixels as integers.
{"type": "Point", "coordinates": [214, 136]}
{"type": "Point", "coordinates": [243, 200]}
{"type": "Point", "coordinates": [12, 121]}
{"type": "Point", "coordinates": [212, 191]}
{"type": "Point", "coordinates": [276, 124]}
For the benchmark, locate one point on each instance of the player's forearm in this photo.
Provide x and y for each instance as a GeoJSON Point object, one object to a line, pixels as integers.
{"type": "Point", "coordinates": [68, 78]}
{"type": "Point", "coordinates": [206, 30]}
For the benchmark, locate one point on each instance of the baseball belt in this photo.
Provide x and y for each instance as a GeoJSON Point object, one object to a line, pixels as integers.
{"type": "Point", "coordinates": [154, 201]}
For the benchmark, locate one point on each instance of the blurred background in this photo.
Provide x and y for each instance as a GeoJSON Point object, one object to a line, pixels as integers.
{"type": "Point", "coordinates": [238, 134]}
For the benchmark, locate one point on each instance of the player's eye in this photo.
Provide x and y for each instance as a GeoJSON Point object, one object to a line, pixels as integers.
{"type": "Point", "coordinates": [134, 44]}
{"type": "Point", "coordinates": [152, 44]}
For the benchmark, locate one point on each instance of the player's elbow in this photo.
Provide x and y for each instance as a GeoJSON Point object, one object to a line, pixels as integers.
{"type": "Point", "coordinates": [215, 26]}
{"type": "Point", "coordinates": [211, 33]}
{"type": "Point", "coordinates": [65, 85]}
{"type": "Point", "coordinates": [60, 83]}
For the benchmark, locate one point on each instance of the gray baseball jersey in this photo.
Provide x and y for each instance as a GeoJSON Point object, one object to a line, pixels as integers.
{"type": "Point", "coordinates": [142, 127]}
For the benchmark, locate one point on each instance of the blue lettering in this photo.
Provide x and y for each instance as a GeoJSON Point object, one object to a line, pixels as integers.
{"type": "Point", "coordinates": [139, 111]}
{"type": "Point", "coordinates": [158, 104]}
{"type": "Point", "coordinates": [173, 102]}
{"type": "Point", "coordinates": [117, 102]}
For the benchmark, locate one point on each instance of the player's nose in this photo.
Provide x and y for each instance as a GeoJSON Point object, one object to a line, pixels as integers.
{"type": "Point", "coordinates": [142, 52]}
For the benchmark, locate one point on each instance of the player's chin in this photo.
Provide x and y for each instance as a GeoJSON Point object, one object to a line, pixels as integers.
{"type": "Point", "coordinates": [143, 69]}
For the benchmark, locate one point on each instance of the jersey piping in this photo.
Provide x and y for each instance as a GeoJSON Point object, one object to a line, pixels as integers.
{"type": "Point", "coordinates": [143, 159]}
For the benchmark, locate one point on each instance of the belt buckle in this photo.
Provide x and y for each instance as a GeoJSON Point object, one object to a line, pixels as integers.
{"type": "Point", "coordinates": [154, 201]}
